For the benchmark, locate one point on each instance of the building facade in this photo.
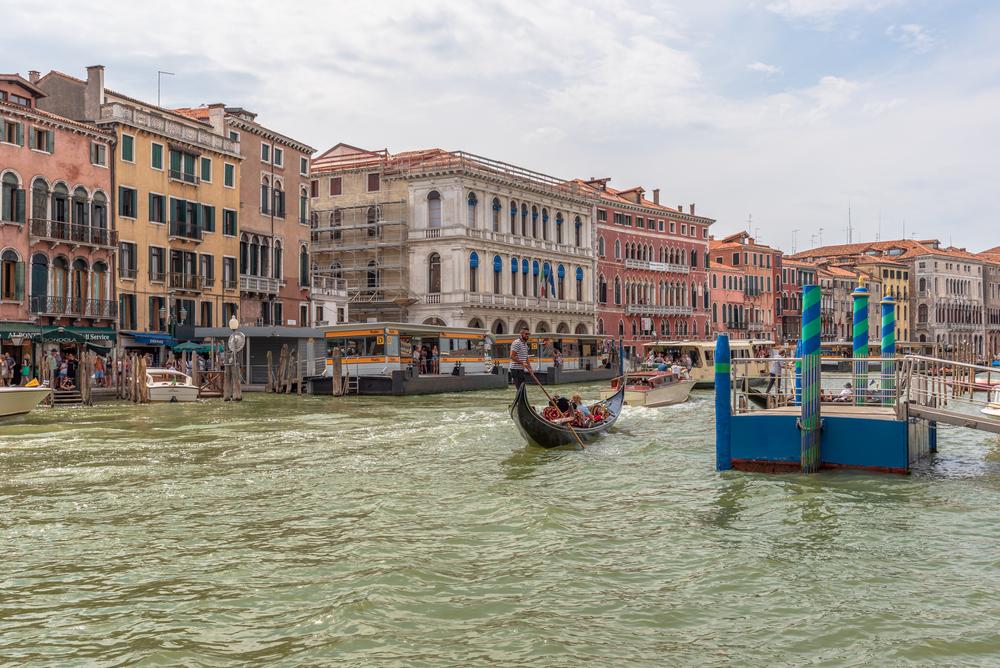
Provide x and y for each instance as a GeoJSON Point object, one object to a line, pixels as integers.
{"type": "Point", "coordinates": [758, 264]}
{"type": "Point", "coordinates": [449, 238]}
{"type": "Point", "coordinates": [275, 277]}
{"type": "Point", "coordinates": [176, 207]}
{"type": "Point", "coordinates": [794, 275]}
{"type": "Point", "coordinates": [652, 267]}
{"type": "Point", "coordinates": [991, 300]}
{"type": "Point", "coordinates": [727, 297]}
{"type": "Point", "coordinates": [57, 235]}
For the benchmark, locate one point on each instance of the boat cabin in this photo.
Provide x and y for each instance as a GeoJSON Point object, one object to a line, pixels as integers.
{"type": "Point", "coordinates": [745, 353]}
{"type": "Point", "coordinates": [383, 347]}
{"type": "Point", "coordinates": [574, 351]}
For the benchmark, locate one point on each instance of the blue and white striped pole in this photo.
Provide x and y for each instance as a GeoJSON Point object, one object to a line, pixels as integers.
{"type": "Point", "coordinates": [723, 408]}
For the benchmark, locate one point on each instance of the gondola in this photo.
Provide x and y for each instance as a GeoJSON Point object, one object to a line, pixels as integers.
{"type": "Point", "coordinates": [540, 431]}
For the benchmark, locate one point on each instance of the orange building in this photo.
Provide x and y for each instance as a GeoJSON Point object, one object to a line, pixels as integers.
{"type": "Point", "coordinates": [758, 270]}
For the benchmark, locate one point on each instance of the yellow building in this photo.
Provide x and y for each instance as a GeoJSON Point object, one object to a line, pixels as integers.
{"type": "Point", "coordinates": [176, 201]}
{"type": "Point", "coordinates": [895, 277]}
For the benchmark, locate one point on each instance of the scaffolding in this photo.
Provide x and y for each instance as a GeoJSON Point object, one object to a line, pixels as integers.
{"type": "Point", "coordinates": [365, 244]}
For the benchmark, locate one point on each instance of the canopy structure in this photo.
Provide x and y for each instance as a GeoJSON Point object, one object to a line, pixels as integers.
{"type": "Point", "coordinates": [70, 335]}
{"type": "Point", "coordinates": [192, 347]}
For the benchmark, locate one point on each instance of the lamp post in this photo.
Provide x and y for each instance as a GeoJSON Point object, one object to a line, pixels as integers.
{"type": "Point", "coordinates": [231, 390]}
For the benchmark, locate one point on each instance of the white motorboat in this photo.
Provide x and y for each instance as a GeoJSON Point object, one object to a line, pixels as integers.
{"type": "Point", "coordinates": [21, 400]}
{"type": "Point", "coordinates": [652, 389]}
{"type": "Point", "coordinates": [170, 385]}
{"type": "Point", "coordinates": [993, 406]}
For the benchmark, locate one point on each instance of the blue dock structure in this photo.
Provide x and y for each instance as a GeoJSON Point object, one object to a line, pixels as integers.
{"type": "Point", "coordinates": [836, 420]}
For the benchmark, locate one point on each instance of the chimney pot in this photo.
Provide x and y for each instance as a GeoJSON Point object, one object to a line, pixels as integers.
{"type": "Point", "coordinates": [34, 76]}
{"type": "Point", "coordinates": [691, 208]}
{"type": "Point", "coordinates": [680, 208]}
{"type": "Point", "coordinates": [656, 195]}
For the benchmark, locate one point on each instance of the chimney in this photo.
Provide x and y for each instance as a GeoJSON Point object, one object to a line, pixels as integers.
{"type": "Point", "coordinates": [656, 195]}
{"type": "Point", "coordinates": [680, 208]}
{"type": "Point", "coordinates": [34, 76]}
{"type": "Point", "coordinates": [217, 117]}
{"type": "Point", "coordinates": [93, 94]}
{"type": "Point", "coordinates": [638, 195]}
{"type": "Point", "coordinates": [691, 208]}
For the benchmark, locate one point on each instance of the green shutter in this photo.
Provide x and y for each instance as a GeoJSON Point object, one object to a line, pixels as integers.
{"type": "Point", "coordinates": [31, 138]}
{"type": "Point", "coordinates": [206, 169]}
{"type": "Point", "coordinates": [19, 205]}
{"type": "Point", "coordinates": [19, 281]}
{"type": "Point", "coordinates": [157, 156]}
{"type": "Point", "coordinates": [209, 222]}
{"type": "Point", "coordinates": [175, 162]}
{"type": "Point", "coordinates": [50, 141]}
{"type": "Point", "coordinates": [19, 134]}
{"type": "Point", "coordinates": [128, 148]}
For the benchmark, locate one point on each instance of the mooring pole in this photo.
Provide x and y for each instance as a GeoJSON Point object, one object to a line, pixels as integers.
{"type": "Point", "coordinates": [798, 372]}
{"type": "Point", "coordinates": [860, 379]}
{"type": "Point", "coordinates": [723, 409]}
{"type": "Point", "coordinates": [888, 350]}
{"type": "Point", "coordinates": [810, 422]}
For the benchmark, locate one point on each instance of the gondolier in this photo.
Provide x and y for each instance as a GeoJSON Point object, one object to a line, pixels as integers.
{"type": "Point", "coordinates": [519, 364]}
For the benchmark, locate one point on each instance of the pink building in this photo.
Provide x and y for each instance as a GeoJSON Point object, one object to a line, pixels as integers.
{"type": "Point", "coordinates": [57, 245]}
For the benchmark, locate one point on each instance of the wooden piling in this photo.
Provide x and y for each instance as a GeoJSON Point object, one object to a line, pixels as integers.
{"type": "Point", "coordinates": [336, 372]}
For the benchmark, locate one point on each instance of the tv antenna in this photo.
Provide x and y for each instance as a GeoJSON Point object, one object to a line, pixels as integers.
{"type": "Point", "coordinates": [795, 233]}
{"type": "Point", "coordinates": [159, 76]}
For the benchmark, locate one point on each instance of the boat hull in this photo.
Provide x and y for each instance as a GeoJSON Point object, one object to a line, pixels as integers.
{"type": "Point", "coordinates": [535, 429]}
{"type": "Point", "coordinates": [21, 400]}
{"type": "Point", "coordinates": [663, 395]}
{"type": "Point", "coordinates": [173, 393]}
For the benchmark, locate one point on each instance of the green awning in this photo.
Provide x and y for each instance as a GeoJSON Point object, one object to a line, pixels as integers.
{"type": "Point", "coordinates": [99, 339]}
{"type": "Point", "coordinates": [29, 331]}
{"type": "Point", "coordinates": [192, 347]}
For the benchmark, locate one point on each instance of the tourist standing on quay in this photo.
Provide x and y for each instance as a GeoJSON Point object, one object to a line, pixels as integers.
{"type": "Point", "coordinates": [519, 363]}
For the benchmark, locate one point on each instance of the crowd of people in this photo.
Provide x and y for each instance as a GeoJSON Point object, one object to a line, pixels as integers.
{"type": "Point", "coordinates": [13, 374]}
{"type": "Point", "coordinates": [426, 360]}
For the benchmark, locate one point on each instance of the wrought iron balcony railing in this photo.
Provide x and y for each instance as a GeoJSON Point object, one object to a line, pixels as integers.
{"type": "Point", "coordinates": [86, 235]}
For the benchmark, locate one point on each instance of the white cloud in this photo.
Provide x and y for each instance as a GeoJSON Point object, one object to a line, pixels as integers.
{"type": "Point", "coordinates": [911, 36]}
{"type": "Point", "coordinates": [764, 68]}
{"type": "Point", "coordinates": [821, 10]}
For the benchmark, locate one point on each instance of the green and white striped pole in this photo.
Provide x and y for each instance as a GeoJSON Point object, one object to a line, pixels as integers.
{"type": "Point", "coordinates": [810, 422]}
{"type": "Point", "coordinates": [888, 351]}
{"type": "Point", "coordinates": [860, 296]}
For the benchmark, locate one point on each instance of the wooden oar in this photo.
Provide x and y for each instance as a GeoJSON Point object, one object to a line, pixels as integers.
{"type": "Point", "coordinates": [552, 401]}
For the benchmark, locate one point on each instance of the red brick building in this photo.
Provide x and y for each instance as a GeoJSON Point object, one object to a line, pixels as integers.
{"type": "Point", "coordinates": [652, 274]}
{"type": "Point", "coordinates": [759, 268]}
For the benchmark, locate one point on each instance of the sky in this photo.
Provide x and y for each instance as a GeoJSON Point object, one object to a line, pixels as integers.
{"type": "Point", "coordinates": [787, 118]}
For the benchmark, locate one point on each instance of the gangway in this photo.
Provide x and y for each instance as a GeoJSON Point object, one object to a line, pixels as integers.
{"type": "Point", "coordinates": [949, 392]}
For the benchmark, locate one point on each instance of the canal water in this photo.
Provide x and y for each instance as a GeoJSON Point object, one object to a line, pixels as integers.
{"type": "Point", "coordinates": [422, 531]}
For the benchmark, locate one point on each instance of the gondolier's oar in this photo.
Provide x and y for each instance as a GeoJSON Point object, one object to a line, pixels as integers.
{"type": "Point", "coordinates": [552, 401]}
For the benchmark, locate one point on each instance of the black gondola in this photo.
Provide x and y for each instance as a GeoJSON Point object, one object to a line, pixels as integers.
{"type": "Point", "coordinates": [540, 431]}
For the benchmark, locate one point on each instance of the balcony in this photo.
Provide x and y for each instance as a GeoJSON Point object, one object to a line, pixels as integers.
{"type": "Point", "coordinates": [154, 122]}
{"type": "Point", "coordinates": [658, 266]}
{"type": "Point", "coordinates": [657, 309]}
{"type": "Point", "coordinates": [490, 300]}
{"type": "Point", "coordinates": [127, 273]}
{"type": "Point", "coordinates": [259, 284]}
{"type": "Point", "coordinates": [328, 286]}
{"type": "Point", "coordinates": [502, 238]}
{"type": "Point", "coordinates": [157, 276]}
{"type": "Point", "coordinates": [228, 283]}
{"type": "Point", "coordinates": [187, 282]}
{"type": "Point", "coordinates": [184, 231]}
{"type": "Point", "coordinates": [755, 326]}
{"type": "Point", "coordinates": [74, 307]}
{"type": "Point", "coordinates": [184, 177]}
{"type": "Point", "coordinates": [56, 231]}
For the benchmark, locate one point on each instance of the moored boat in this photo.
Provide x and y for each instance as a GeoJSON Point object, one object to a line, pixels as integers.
{"type": "Point", "coordinates": [21, 400]}
{"type": "Point", "coordinates": [536, 429]}
{"type": "Point", "coordinates": [651, 389]}
{"type": "Point", "coordinates": [993, 406]}
{"type": "Point", "coordinates": [170, 385]}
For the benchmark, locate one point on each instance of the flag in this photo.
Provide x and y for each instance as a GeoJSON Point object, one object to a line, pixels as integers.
{"type": "Point", "coordinates": [552, 283]}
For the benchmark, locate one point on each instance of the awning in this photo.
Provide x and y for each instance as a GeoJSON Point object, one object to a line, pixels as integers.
{"type": "Point", "coordinates": [192, 347]}
{"type": "Point", "coordinates": [151, 339]}
{"type": "Point", "coordinates": [96, 338]}
{"type": "Point", "coordinates": [28, 330]}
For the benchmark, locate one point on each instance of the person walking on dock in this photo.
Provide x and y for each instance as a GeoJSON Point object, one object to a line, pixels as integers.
{"type": "Point", "coordinates": [775, 370]}
{"type": "Point", "coordinates": [519, 364]}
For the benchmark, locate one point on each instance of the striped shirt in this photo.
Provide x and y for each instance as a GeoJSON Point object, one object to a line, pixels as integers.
{"type": "Point", "coordinates": [519, 350]}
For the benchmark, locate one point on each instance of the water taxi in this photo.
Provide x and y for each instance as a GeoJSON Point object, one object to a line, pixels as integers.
{"type": "Point", "coordinates": [749, 358]}
{"type": "Point", "coordinates": [651, 389]}
{"type": "Point", "coordinates": [170, 385]}
{"type": "Point", "coordinates": [21, 400]}
{"type": "Point", "coordinates": [993, 406]}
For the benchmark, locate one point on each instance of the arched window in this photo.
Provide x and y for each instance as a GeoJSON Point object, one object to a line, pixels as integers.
{"type": "Point", "coordinates": [265, 195]}
{"type": "Point", "coordinates": [618, 249]}
{"type": "Point", "coordinates": [600, 326]}
{"type": "Point", "coordinates": [433, 209]}
{"type": "Point", "coordinates": [602, 289]}
{"type": "Point", "coordinates": [542, 327]}
{"type": "Point", "coordinates": [99, 217]}
{"type": "Point", "coordinates": [618, 291]}
{"type": "Point", "coordinates": [277, 267]}
{"type": "Point", "coordinates": [497, 208]}
{"type": "Point", "coordinates": [694, 258]}
{"type": "Point", "coordinates": [535, 271]}
{"type": "Point", "coordinates": [40, 199]}
{"type": "Point", "coordinates": [524, 220]}
{"type": "Point", "coordinates": [498, 327]}
{"type": "Point", "coordinates": [621, 328]}
{"type": "Point", "coordinates": [80, 207]}
{"type": "Point", "coordinates": [254, 265]}
{"type": "Point", "coordinates": [244, 254]}
{"type": "Point", "coordinates": [11, 275]}
{"type": "Point", "coordinates": [99, 284]}
{"type": "Point", "coordinates": [471, 201]}
{"type": "Point", "coordinates": [922, 312]}
{"type": "Point", "coordinates": [372, 216]}
{"type": "Point", "coordinates": [581, 329]}
{"type": "Point", "coordinates": [521, 325]}
{"type": "Point", "coordinates": [12, 198]}
{"type": "Point", "coordinates": [373, 274]}
{"type": "Point", "coordinates": [559, 228]}
{"type": "Point", "coordinates": [922, 285]}
{"type": "Point", "coordinates": [474, 272]}
{"type": "Point", "coordinates": [303, 205]}
{"type": "Point", "coordinates": [278, 197]}
{"type": "Point", "coordinates": [39, 283]}
{"type": "Point", "coordinates": [561, 282]}
{"type": "Point", "coordinates": [578, 231]}
{"type": "Point", "coordinates": [600, 246]}
{"type": "Point", "coordinates": [513, 217]}
{"type": "Point", "coordinates": [562, 328]}
{"type": "Point", "coordinates": [60, 203]}
{"type": "Point", "coordinates": [476, 323]}
{"type": "Point", "coordinates": [336, 269]}
{"type": "Point", "coordinates": [545, 224]}
{"type": "Point", "coordinates": [579, 284]}
{"type": "Point", "coordinates": [497, 274]}
{"type": "Point", "coordinates": [434, 274]}
{"type": "Point", "coordinates": [79, 285]}
{"type": "Point", "coordinates": [303, 267]}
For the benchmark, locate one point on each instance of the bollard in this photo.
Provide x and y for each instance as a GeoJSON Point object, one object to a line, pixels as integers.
{"type": "Point", "coordinates": [932, 436]}
{"type": "Point", "coordinates": [888, 351]}
{"type": "Point", "coordinates": [860, 378]}
{"type": "Point", "coordinates": [810, 422]}
{"type": "Point", "coordinates": [723, 409]}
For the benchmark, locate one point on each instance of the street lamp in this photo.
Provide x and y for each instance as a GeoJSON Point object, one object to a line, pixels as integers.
{"type": "Point", "coordinates": [234, 324]}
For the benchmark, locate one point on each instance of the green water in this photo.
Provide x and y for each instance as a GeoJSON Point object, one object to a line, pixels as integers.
{"type": "Point", "coordinates": [423, 532]}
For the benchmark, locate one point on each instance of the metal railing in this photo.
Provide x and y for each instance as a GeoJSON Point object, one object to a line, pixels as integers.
{"type": "Point", "coordinates": [185, 230]}
{"type": "Point", "coordinates": [182, 281]}
{"type": "Point", "coordinates": [186, 177]}
{"type": "Point", "coordinates": [658, 266]}
{"type": "Point", "coordinates": [75, 306]}
{"type": "Point", "coordinates": [127, 272]}
{"type": "Point", "coordinates": [657, 309]}
{"type": "Point", "coordinates": [330, 286]}
{"type": "Point", "coordinates": [260, 284]}
{"type": "Point", "coordinates": [89, 235]}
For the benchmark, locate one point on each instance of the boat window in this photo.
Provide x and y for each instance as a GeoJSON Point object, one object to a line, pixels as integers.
{"type": "Point", "coordinates": [360, 346]}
